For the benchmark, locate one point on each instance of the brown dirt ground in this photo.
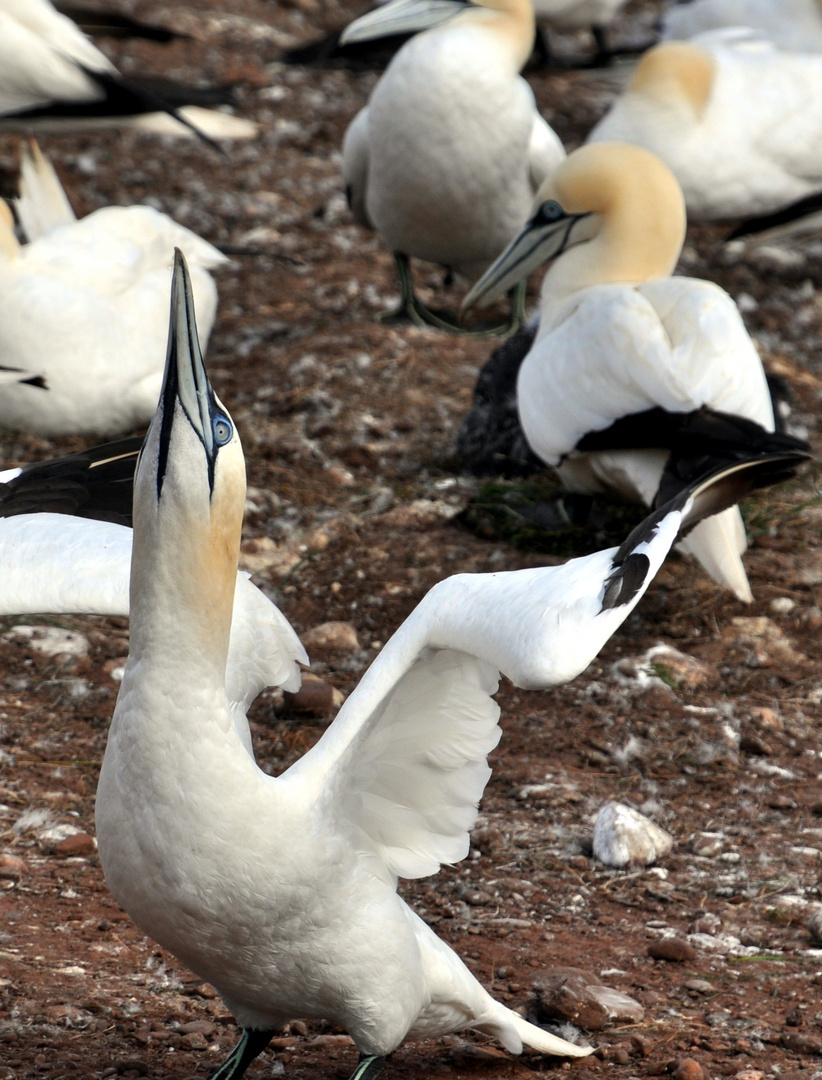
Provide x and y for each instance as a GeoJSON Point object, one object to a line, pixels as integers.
{"type": "Point", "coordinates": [346, 423]}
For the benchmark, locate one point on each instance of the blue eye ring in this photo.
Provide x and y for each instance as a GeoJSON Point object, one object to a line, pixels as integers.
{"type": "Point", "coordinates": [549, 212]}
{"type": "Point", "coordinates": [223, 430]}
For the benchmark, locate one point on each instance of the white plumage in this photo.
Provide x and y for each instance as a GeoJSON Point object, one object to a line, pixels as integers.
{"type": "Point", "coordinates": [282, 891]}
{"type": "Point", "coordinates": [445, 159]}
{"type": "Point", "coordinates": [103, 282]}
{"type": "Point", "coordinates": [737, 121]}
{"type": "Point", "coordinates": [618, 336]}
{"type": "Point", "coordinates": [792, 25]}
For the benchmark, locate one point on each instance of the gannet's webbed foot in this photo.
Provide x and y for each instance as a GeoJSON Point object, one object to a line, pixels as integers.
{"type": "Point", "coordinates": [368, 1067]}
{"type": "Point", "coordinates": [250, 1045]}
{"type": "Point", "coordinates": [412, 309]}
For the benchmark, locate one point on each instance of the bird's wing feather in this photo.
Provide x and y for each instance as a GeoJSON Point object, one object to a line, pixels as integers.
{"type": "Point", "coordinates": [355, 167]}
{"type": "Point", "coordinates": [406, 755]}
{"type": "Point", "coordinates": [43, 204]}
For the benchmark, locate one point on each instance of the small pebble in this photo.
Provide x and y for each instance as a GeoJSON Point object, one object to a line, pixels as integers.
{"type": "Point", "coordinates": [673, 949]}
{"type": "Point", "coordinates": [688, 1069]}
{"type": "Point", "coordinates": [12, 867]}
{"type": "Point", "coordinates": [336, 636]}
{"type": "Point", "coordinates": [78, 844]}
{"type": "Point", "coordinates": [315, 697]}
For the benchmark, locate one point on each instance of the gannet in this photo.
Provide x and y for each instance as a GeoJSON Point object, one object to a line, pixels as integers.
{"type": "Point", "coordinates": [792, 25]}
{"type": "Point", "coordinates": [635, 378]}
{"type": "Point", "coordinates": [52, 78]}
{"type": "Point", "coordinates": [281, 891]}
{"type": "Point", "coordinates": [738, 122]}
{"type": "Point", "coordinates": [445, 159]}
{"type": "Point", "coordinates": [103, 281]}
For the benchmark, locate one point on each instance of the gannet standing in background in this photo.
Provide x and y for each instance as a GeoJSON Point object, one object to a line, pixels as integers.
{"type": "Point", "coordinates": [281, 891]}
{"type": "Point", "coordinates": [445, 159]}
{"type": "Point", "coordinates": [52, 78]}
{"type": "Point", "coordinates": [792, 25]}
{"type": "Point", "coordinates": [103, 282]}
{"type": "Point", "coordinates": [636, 380]}
{"type": "Point", "coordinates": [738, 122]}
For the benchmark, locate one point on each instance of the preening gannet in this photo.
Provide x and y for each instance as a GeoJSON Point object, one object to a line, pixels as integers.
{"type": "Point", "coordinates": [52, 78]}
{"type": "Point", "coordinates": [636, 380]}
{"type": "Point", "coordinates": [103, 281]}
{"type": "Point", "coordinates": [738, 122]}
{"type": "Point", "coordinates": [792, 25]}
{"type": "Point", "coordinates": [445, 159]}
{"type": "Point", "coordinates": [282, 890]}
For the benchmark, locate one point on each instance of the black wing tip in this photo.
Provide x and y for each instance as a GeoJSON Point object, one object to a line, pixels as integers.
{"type": "Point", "coordinates": [625, 581]}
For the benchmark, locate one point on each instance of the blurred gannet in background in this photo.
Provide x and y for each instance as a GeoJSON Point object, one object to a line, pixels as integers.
{"type": "Point", "coordinates": [637, 381]}
{"type": "Point", "coordinates": [570, 15]}
{"type": "Point", "coordinates": [103, 281]}
{"type": "Point", "coordinates": [52, 78]}
{"type": "Point", "coordinates": [281, 891]}
{"type": "Point", "coordinates": [792, 25]}
{"type": "Point", "coordinates": [445, 159]}
{"type": "Point", "coordinates": [738, 122]}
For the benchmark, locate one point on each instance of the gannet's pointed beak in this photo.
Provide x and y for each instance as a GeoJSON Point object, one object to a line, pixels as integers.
{"type": "Point", "coordinates": [401, 17]}
{"type": "Point", "coordinates": [549, 232]}
{"type": "Point", "coordinates": [185, 381]}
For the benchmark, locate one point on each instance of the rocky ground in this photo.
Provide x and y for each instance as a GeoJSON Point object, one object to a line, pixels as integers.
{"type": "Point", "coordinates": [356, 508]}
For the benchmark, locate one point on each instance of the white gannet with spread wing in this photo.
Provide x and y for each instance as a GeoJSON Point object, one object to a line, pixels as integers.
{"type": "Point", "coordinates": [445, 159]}
{"type": "Point", "coordinates": [52, 78]}
{"type": "Point", "coordinates": [792, 25]}
{"type": "Point", "coordinates": [738, 122]}
{"type": "Point", "coordinates": [103, 281]}
{"type": "Point", "coordinates": [282, 890]}
{"type": "Point", "coordinates": [636, 380]}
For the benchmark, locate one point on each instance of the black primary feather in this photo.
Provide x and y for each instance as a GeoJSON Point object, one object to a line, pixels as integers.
{"type": "Point", "coordinates": [97, 483]}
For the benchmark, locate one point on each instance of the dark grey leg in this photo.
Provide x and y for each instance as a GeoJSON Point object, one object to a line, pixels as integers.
{"type": "Point", "coordinates": [368, 1067]}
{"type": "Point", "coordinates": [250, 1045]}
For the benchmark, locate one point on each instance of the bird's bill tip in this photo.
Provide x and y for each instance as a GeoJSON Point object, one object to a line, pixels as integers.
{"type": "Point", "coordinates": [400, 17]}
{"type": "Point", "coordinates": [500, 277]}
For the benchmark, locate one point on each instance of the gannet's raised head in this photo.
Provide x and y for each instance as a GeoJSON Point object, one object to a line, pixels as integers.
{"type": "Point", "coordinates": [676, 73]}
{"type": "Point", "coordinates": [614, 212]}
{"type": "Point", "coordinates": [511, 20]}
{"type": "Point", "coordinates": [189, 493]}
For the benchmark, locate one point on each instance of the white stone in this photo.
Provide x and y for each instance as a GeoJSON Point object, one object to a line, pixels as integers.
{"type": "Point", "coordinates": [624, 837]}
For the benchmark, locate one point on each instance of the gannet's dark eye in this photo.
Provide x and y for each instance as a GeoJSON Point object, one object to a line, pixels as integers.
{"type": "Point", "coordinates": [222, 430]}
{"type": "Point", "coordinates": [549, 211]}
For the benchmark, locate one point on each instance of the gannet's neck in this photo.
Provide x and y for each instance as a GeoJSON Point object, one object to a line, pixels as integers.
{"type": "Point", "coordinates": [676, 73]}
{"type": "Point", "coordinates": [640, 212]}
{"type": "Point", "coordinates": [511, 22]}
{"type": "Point", "coordinates": [184, 569]}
